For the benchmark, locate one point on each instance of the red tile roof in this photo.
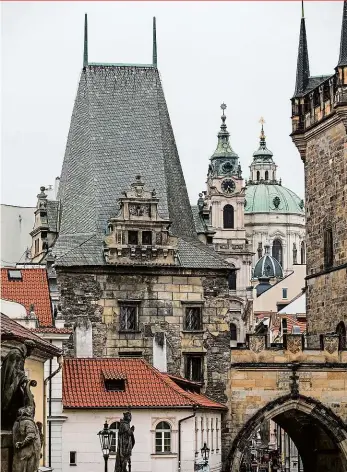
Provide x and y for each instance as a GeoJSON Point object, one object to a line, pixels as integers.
{"type": "Point", "coordinates": [11, 330]}
{"type": "Point", "coordinates": [32, 289]}
{"type": "Point", "coordinates": [145, 386]}
{"type": "Point", "coordinates": [52, 329]}
{"type": "Point", "coordinates": [291, 321]}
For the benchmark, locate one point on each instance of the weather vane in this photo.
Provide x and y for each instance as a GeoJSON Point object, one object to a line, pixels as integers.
{"type": "Point", "coordinates": [223, 107]}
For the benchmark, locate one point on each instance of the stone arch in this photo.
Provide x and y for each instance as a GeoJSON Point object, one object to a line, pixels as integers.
{"type": "Point", "coordinates": [277, 250]}
{"type": "Point", "coordinates": [341, 331]}
{"type": "Point", "coordinates": [328, 428]}
{"type": "Point", "coordinates": [228, 217]}
{"type": "Point", "coordinates": [266, 175]}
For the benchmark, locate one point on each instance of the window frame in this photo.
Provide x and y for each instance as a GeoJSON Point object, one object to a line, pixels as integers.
{"type": "Point", "coordinates": [231, 337]}
{"type": "Point", "coordinates": [115, 431]}
{"type": "Point", "coordinates": [228, 216]}
{"type": "Point", "coordinates": [129, 304]}
{"type": "Point", "coordinates": [200, 320]}
{"type": "Point", "coordinates": [188, 369]}
{"type": "Point", "coordinates": [159, 434]}
{"type": "Point", "coordinates": [285, 293]}
{"type": "Point", "coordinates": [133, 232]}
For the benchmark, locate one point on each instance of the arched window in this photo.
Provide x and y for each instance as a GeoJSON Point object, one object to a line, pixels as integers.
{"type": "Point", "coordinates": [266, 175]}
{"type": "Point", "coordinates": [258, 175]}
{"type": "Point", "coordinates": [328, 248]}
{"type": "Point", "coordinates": [341, 331]}
{"type": "Point", "coordinates": [303, 253]}
{"type": "Point", "coordinates": [228, 216]}
{"type": "Point", "coordinates": [163, 438]}
{"type": "Point", "coordinates": [273, 175]}
{"type": "Point", "coordinates": [232, 280]}
{"type": "Point", "coordinates": [233, 332]}
{"type": "Point", "coordinates": [277, 251]}
{"type": "Point", "coordinates": [114, 428]}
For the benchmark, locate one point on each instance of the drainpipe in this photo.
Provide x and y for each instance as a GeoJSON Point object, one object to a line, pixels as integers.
{"type": "Point", "coordinates": [49, 379]}
{"type": "Point", "coordinates": [179, 435]}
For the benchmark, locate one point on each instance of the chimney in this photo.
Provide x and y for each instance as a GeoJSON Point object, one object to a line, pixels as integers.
{"type": "Point", "coordinates": [159, 352]}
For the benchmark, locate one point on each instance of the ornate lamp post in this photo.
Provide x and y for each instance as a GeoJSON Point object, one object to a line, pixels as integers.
{"type": "Point", "coordinates": [205, 454]}
{"type": "Point", "coordinates": [105, 436]}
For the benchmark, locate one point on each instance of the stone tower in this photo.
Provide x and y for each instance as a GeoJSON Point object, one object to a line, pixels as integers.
{"type": "Point", "coordinates": [319, 122]}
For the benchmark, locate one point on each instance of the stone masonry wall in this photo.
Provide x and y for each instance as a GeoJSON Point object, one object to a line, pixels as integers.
{"type": "Point", "coordinates": [326, 196]}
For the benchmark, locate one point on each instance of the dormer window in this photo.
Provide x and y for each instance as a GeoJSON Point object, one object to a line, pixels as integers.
{"type": "Point", "coordinates": [147, 238]}
{"type": "Point", "coordinates": [14, 274]}
{"type": "Point", "coordinates": [115, 385]}
{"type": "Point", "coordinates": [133, 237]}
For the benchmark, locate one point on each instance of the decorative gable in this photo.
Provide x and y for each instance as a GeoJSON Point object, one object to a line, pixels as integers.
{"type": "Point", "coordinates": [138, 234]}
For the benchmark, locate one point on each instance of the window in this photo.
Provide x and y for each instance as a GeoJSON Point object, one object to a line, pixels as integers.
{"type": "Point", "coordinates": [130, 354]}
{"type": "Point", "coordinates": [228, 216]}
{"type": "Point", "coordinates": [193, 320]}
{"type": "Point", "coordinates": [277, 250]}
{"type": "Point", "coordinates": [163, 438]}
{"type": "Point", "coordinates": [114, 429]}
{"type": "Point", "coordinates": [133, 237]}
{"type": "Point", "coordinates": [284, 293]}
{"type": "Point", "coordinates": [212, 435]}
{"type": "Point", "coordinates": [266, 175]}
{"type": "Point", "coordinates": [284, 326]}
{"type": "Point", "coordinates": [147, 237]}
{"type": "Point", "coordinates": [217, 435]}
{"type": "Point", "coordinates": [36, 246]}
{"type": "Point", "coordinates": [128, 316]}
{"type": "Point", "coordinates": [233, 332]}
{"type": "Point", "coordinates": [232, 280]}
{"type": "Point", "coordinates": [258, 175]}
{"type": "Point", "coordinates": [14, 274]}
{"type": "Point", "coordinates": [303, 253]}
{"type": "Point", "coordinates": [273, 175]}
{"type": "Point", "coordinates": [328, 248]}
{"type": "Point", "coordinates": [115, 385]}
{"type": "Point", "coordinates": [296, 330]}
{"type": "Point", "coordinates": [73, 458]}
{"type": "Point", "coordinates": [341, 332]}
{"type": "Point", "coordinates": [194, 364]}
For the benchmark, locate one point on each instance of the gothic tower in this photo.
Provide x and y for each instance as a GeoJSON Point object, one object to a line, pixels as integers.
{"type": "Point", "coordinates": [319, 123]}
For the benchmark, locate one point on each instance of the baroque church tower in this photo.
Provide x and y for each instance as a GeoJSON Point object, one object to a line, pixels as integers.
{"type": "Point", "coordinates": [223, 208]}
{"type": "Point", "coordinates": [319, 124]}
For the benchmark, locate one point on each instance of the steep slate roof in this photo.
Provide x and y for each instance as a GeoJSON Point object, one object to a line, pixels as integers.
{"type": "Point", "coordinates": [11, 330]}
{"type": "Point", "coordinates": [121, 128]}
{"type": "Point", "coordinates": [343, 43]}
{"type": "Point", "coordinates": [145, 386]}
{"type": "Point", "coordinates": [52, 215]}
{"type": "Point", "coordinates": [33, 288]}
{"type": "Point", "coordinates": [303, 66]}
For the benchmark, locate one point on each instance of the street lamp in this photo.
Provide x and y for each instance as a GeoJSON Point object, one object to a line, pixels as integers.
{"type": "Point", "coordinates": [105, 436]}
{"type": "Point", "coordinates": [205, 453]}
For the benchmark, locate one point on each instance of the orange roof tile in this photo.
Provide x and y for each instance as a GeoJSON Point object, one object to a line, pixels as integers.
{"type": "Point", "coordinates": [32, 289]}
{"type": "Point", "coordinates": [145, 386]}
{"type": "Point", "coordinates": [11, 330]}
{"type": "Point", "coordinates": [291, 321]}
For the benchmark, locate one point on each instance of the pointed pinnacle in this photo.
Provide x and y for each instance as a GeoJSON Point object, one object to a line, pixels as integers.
{"type": "Point", "coordinates": [85, 47]}
{"type": "Point", "coordinates": [155, 56]}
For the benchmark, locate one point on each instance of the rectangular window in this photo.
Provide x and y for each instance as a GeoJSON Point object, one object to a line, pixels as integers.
{"type": "Point", "coordinates": [193, 321]}
{"type": "Point", "coordinates": [128, 316]}
{"type": "Point", "coordinates": [284, 293]}
{"type": "Point", "coordinates": [147, 237]}
{"type": "Point", "coordinates": [133, 237]}
{"type": "Point", "coordinates": [114, 429]}
{"type": "Point", "coordinates": [115, 385]}
{"type": "Point", "coordinates": [328, 248]}
{"type": "Point", "coordinates": [130, 354]}
{"type": "Point", "coordinates": [194, 368]}
{"type": "Point", "coordinates": [73, 458]}
{"type": "Point", "coordinates": [14, 274]}
{"type": "Point", "coordinates": [36, 246]}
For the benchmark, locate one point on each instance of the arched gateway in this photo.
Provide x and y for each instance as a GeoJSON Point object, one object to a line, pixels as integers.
{"type": "Point", "coordinates": [320, 435]}
{"type": "Point", "coordinates": [301, 389]}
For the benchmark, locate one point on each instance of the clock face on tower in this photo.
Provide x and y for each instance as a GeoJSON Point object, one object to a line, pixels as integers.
{"type": "Point", "coordinates": [228, 186]}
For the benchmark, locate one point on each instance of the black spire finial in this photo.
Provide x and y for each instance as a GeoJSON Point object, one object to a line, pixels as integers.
{"type": "Point", "coordinates": [262, 134]}
{"type": "Point", "coordinates": [302, 9]}
{"type": "Point", "coordinates": [155, 56]}
{"type": "Point", "coordinates": [303, 66]}
{"type": "Point", "coordinates": [85, 48]}
{"type": "Point", "coordinates": [343, 43]}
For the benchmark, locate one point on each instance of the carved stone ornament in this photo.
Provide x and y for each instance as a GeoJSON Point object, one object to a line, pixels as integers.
{"type": "Point", "coordinates": [294, 343]}
{"type": "Point", "coordinates": [126, 442]}
{"type": "Point", "coordinates": [331, 343]}
{"type": "Point", "coordinates": [139, 209]}
{"type": "Point", "coordinates": [257, 343]}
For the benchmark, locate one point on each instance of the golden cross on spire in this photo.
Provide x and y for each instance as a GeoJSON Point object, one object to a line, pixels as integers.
{"type": "Point", "coordinates": [262, 121]}
{"type": "Point", "coordinates": [262, 135]}
{"type": "Point", "coordinates": [223, 107]}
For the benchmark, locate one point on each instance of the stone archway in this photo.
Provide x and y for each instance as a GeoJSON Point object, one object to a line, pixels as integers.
{"type": "Point", "coordinates": [320, 435]}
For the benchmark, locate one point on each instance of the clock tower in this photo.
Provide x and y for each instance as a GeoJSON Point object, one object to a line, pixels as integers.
{"type": "Point", "coordinates": [224, 204]}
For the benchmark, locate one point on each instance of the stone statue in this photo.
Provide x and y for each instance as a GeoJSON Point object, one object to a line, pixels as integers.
{"type": "Point", "coordinates": [26, 442]}
{"type": "Point", "coordinates": [126, 442]}
{"type": "Point", "coordinates": [295, 254]}
{"type": "Point", "coordinates": [260, 250]}
{"type": "Point", "coordinates": [15, 391]}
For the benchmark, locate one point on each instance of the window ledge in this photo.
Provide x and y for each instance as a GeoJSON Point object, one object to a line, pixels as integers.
{"type": "Point", "coordinates": [166, 455]}
{"type": "Point", "coordinates": [193, 331]}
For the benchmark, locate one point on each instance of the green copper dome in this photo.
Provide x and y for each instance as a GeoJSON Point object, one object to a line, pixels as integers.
{"type": "Point", "coordinates": [270, 198]}
{"type": "Point", "coordinates": [267, 266]}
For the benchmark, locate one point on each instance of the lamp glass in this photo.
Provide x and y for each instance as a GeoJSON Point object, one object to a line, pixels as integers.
{"type": "Point", "coordinates": [105, 436]}
{"type": "Point", "coordinates": [205, 452]}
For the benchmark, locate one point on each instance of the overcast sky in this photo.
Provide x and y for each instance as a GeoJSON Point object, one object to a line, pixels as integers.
{"type": "Point", "coordinates": [240, 53]}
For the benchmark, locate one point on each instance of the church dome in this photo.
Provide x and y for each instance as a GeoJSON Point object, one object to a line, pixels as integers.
{"type": "Point", "coordinates": [272, 198]}
{"type": "Point", "coordinates": [267, 266]}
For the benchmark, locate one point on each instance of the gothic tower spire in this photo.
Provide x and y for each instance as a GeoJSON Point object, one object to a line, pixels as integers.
{"type": "Point", "coordinates": [85, 48]}
{"type": "Point", "coordinates": [155, 56]}
{"type": "Point", "coordinates": [343, 43]}
{"type": "Point", "coordinates": [303, 67]}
